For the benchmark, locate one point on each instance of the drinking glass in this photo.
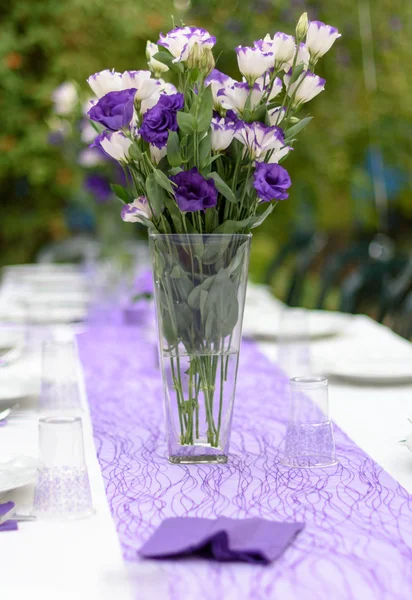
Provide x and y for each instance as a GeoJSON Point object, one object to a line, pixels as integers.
{"type": "Point", "coordinates": [60, 389]}
{"type": "Point", "coordinates": [309, 440]}
{"type": "Point", "coordinates": [293, 342]}
{"type": "Point", "coordinates": [62, 488]}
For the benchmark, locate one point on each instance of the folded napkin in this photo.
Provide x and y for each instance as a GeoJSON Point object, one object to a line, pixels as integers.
{"type": "Point", "coordinates": [8, 525]}
{"type": "Point", "coordinates": [248, 540]}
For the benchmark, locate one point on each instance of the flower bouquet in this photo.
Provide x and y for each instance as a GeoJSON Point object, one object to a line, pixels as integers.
{"type": "Point", "coordinates": [202, 158]}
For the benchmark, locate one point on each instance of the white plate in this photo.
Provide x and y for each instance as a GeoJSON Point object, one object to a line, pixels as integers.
{"type": "Point", "coordinates": [377, 371]}
{"type": "Point", "coordinates": [17, 472]}
{"type": "Point", "coordinates": [262, 323]}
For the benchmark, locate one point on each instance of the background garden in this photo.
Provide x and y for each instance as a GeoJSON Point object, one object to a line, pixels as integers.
{"type": "Point", "coordinates": [351, 169]}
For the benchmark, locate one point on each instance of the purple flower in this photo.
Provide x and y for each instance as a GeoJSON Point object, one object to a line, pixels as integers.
{"type": "Point", "coordinates": [193, 191]}
{"type": "Point", "coordinates": [99, 187]}
{"type": "Point", "coordinates": [157, 121]}
{"type": "Point", "coordinates": [114, 110]}
{"type": "Point", "coordinates": [271, 182]}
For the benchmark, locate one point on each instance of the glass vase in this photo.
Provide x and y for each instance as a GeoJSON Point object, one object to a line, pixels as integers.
{"type": "Point", "coordinates": [200, 287]}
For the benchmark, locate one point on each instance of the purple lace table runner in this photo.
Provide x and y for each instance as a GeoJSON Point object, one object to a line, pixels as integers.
{"type": "Point", "coordinates": [357, 543]}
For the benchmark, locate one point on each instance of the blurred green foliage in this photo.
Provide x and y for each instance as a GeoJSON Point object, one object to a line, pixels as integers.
{"type": "Point", "coordinates": [44, 43]}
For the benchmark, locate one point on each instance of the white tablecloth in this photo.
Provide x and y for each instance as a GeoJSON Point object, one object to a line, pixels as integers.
{"type": "Point", "coordinates": [82, 560]}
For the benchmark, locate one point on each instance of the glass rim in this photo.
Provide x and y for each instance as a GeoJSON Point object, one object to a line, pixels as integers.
{"type": "Point", "coordinates": [308, 381]}
{"type": "Point", "coordinates": [192, 235]}
{"type": "Point", "coordinates": [60, 420]}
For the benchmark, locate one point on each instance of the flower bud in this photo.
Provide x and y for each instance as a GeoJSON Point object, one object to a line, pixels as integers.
{"type": "Point", "coordinates": [302, 26]}
{"type": "Point", "coordinates": [207, 63]}
{"type": "Point", "coordinates": [195, 57]}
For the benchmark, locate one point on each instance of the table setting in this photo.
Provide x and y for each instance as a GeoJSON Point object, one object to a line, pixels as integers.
{"type": "Point", "coordinates": [181, 433]}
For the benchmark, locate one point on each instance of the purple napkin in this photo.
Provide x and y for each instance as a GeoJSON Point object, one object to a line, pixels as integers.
{"type": "Point", "coordinates": [8, 525]}
{"type": "Point", "coordinates": [248, 540]}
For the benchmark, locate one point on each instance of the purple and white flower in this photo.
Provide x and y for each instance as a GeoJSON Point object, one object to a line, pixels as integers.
{"type": "Point", "coordinates": [218, 81]}
{"type": "Point", "coordinates": [223, 131]}
{"type": "Point", "coordinates": [253, 62]}
{"type": "Point", "coordinates": [235, 96]}
{"type": "Point", "coordinates": [306, 87]}
{"type": "Point", "coordinates": [133, 212]}
{"type": "Point", "coordinates": [282, 46]}
{"type": "Point", "coordinates": [271, 182]}
{"type": "Point", "coordinates": [276, 115]}
{"type": "Point", "coordinates": [156, 154]}
{"type": "Point", "coordinates": [181, 40]}
{"type": "Point", "coordinates": [303, 57]}
{"type": "Point", "coordinates": [114, 110]}
{"type": "Point", "coordinates": [65, 98]}
{"type": "Point", "coordinates": [104, 82]}
{"type": "Point", "coordinates": [154, 65]}
{"type": "Point", "coordinates": [115, 144]}
{"type": "Point", "coordinates": [320, 38]}
{"type": "Point", "coordinates": [260, 140]}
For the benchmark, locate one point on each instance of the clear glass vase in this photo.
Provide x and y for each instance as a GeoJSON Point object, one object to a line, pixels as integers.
{"type": "Point", "coordinates": [200, 287]}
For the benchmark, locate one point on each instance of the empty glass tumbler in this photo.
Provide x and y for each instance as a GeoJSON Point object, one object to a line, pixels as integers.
{"type": "Point", "coordinates": [62, 488]}
{"type": "Point", "coordinates": [309, 440]}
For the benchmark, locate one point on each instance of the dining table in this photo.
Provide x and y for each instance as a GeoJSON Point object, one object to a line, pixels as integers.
{"type": "Point", "coordinates": [357, 540]}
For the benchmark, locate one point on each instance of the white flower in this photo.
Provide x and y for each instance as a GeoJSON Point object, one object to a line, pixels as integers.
{"type": "Point", "coordinates": [306, 87]}
{"type": "Point", "coordinates": [180, 41]}
{"type": "Point", "coordinates": [282, 47]}
{"type": "Point", "coordinates": [116, 145]}
{"type": "Point", "coordinates": [263, 83]}
{"type": "Point", "coordinates": [253, 62]}
{"type": "Point", "coordinates": [65, 98]}
{"type": "Point", "coordinates": [133, 212]}
{"type": "Point", "coordinates": [259, 140]}
{"type": "Point", "coordinates": [142, 81]}
{"type": "Point", "coordinates": [223, 131]}
{"type": "Point", "coordinates": [157, 154]}
{"type": "Point", "coordinates": [90, 157]}
{"type": "Point", "coordinates": [320, 38]}
{"type": "Point", "coordinates": [154, 65]}
{"type": "Point", "coordinates": [88, 132]}
{"type": "Point", "coordinates": [104, 82]}
{"type": "Point", "coordinates": [276, 115]}
{"type": "Point", "coordinates": [302, 58]}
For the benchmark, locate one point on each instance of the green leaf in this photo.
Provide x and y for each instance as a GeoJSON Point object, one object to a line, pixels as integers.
{"type": "Point", "coordinates": [163, 180]}
{"type": "Point", "coordinates": [248, 223]}
{"type": "Point", "coordinates": [194, 296]}
{"type": "Point", "coordinates": [173, 149]}
{"type": "Point", "coordinates": [121, 193]}
{"type": "Point", "coordinates": [204, 151]}
{"type": "Point", "coordinates": [135, 153]}
{"type": "Point", "coordinates": [175, 171]}
{"type": "Point", "coordinates": [206, 110]}
{"type": "Point", "coordinates": [221, 308]}
{"type": "Point", "coordinates": [297, 128]}
{"type": "Point", "coordinates": [155, 193]}
{"type": "Point", "coordinates": [175, 272]}
{"type": "Point", "coordinates": [187, 123]}
{"type": "Point", "coordinates": [222, 187]}
{"type": "Point", "coordinates": [165, 57]}
{"type": "Point", "coordinates": [297, 72]}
